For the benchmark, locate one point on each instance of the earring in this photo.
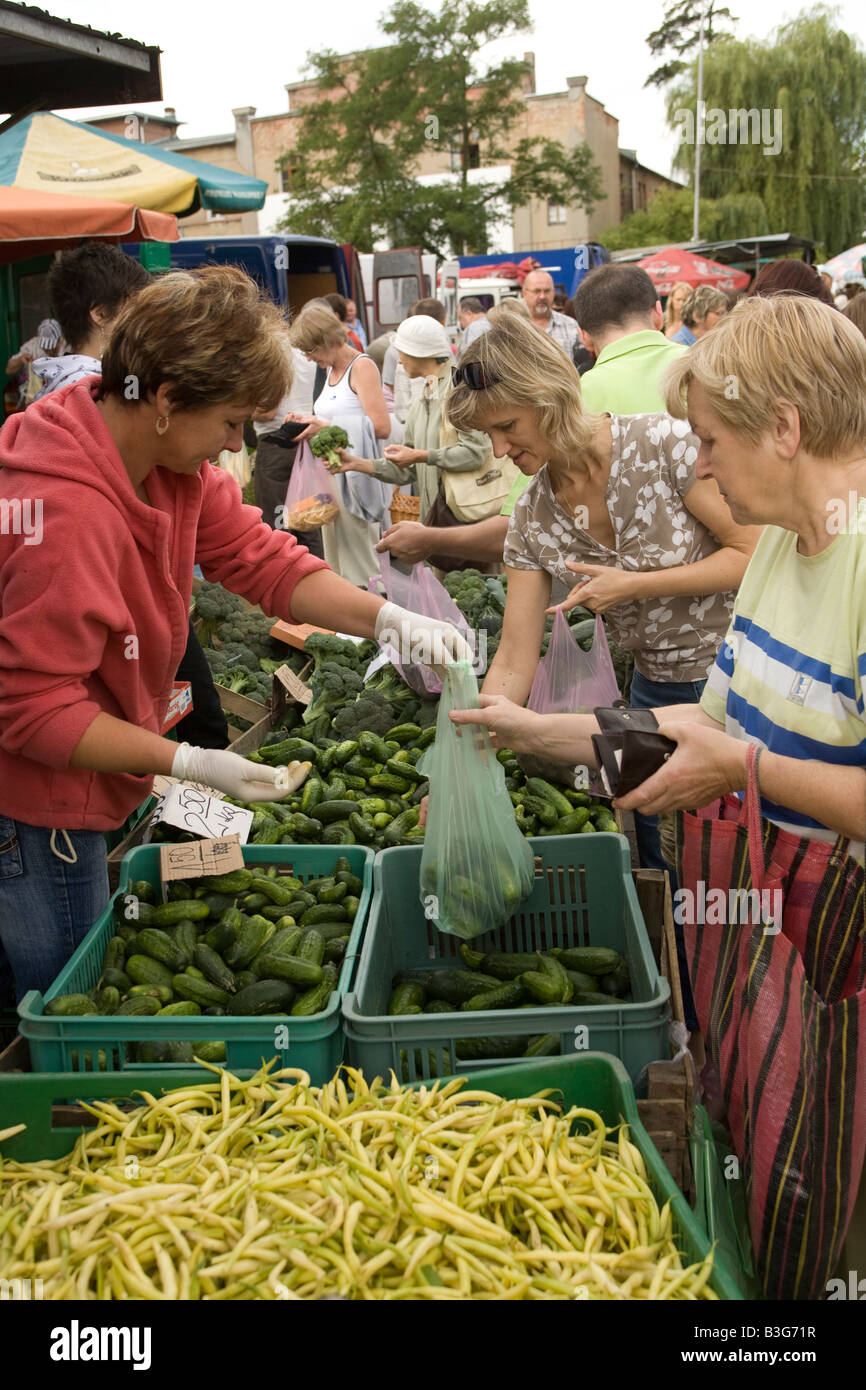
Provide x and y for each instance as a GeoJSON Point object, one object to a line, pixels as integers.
{"type": "Point", "coordinates": [162, 424]}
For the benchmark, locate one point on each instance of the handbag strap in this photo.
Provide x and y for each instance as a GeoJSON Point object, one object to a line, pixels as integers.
{"type": "Point", "coordinates": [750, 816]}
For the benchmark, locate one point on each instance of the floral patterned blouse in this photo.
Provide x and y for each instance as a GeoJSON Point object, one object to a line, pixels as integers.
{"type": "Point", "coordinates": [652, 469]}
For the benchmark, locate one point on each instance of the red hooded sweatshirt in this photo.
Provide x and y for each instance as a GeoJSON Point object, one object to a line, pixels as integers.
{"type": "Point", "coordinates": [94, 601]}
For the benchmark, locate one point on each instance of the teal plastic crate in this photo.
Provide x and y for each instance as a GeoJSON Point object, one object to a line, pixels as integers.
{"type": "Point", "coordinates": [583, 895]}
{"type": "Point", "coordinates": [720, 1205]}
{"type": "Point", "coordinates": [592, 1080]}
{"type": "Point", "coordinates": [315, 1044]}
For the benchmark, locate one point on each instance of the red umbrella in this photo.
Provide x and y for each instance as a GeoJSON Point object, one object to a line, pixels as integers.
{"type": "Point", "coordinates": [666, 268]}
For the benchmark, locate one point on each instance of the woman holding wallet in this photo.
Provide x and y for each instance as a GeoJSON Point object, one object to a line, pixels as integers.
{"type": "Point", "coordinates": [614, 498]}
{"type": "Point", "coordinates": [781, 997]}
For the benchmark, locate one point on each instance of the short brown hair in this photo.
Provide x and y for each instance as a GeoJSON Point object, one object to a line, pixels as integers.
{"type": "Point", "coordinates": [791, 276]}
{"type": "Point", "coordinates": [317, 327]}
{"type": "Point", "coordinates": [433, 308]}
{"type": "Point", "coordinates": [785, 348]}
{"type": "Point", "coordinates": [208, 333]}
{"type": "Point", "coordinates": [612, 295]}
{"type": "Point", "coordinates": [855, 310]}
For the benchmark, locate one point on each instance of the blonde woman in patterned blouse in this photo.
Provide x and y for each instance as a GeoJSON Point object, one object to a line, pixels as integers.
{"type": "Point", "coordinates": [614, 500]}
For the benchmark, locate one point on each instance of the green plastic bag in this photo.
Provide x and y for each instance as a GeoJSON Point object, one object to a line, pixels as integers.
{"type": "Point", "coordinates": [476, 868]}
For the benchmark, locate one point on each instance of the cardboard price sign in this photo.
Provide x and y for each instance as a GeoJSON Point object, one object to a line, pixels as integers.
{"type": "Point", "coordinates": [199, 858]}
{"type": "Point", "coordinates": [191, 808]}
{"type": "Point", "coordinates": [295, 686]}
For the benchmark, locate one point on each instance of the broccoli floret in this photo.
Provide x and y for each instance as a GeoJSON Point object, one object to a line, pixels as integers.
{"type": "Point", "coordinates": [371, 712]}
{"type": "Point", "coordinates": [341, 651]}
{"type": "Point", "coordinates": [332, 686]}
{"type": "Point", "coordinates": [233, 678]}
{"type": "Point", "coordinates": [252, 630]}
{"type": "Point", "coordinates": [238, 654]}
{"type": "Point", "coordinates": [214, 605]}
{"type": "Point", "coordinates": [258, 687]}
{"type": "Point", "coordinates": [427, 713]}
{"type": "Point", "coordinates": [326, 443]}
{"type": "Point", "coordinates": [394, 689]}
{"type": "Point", "coordinates": [216, 660]}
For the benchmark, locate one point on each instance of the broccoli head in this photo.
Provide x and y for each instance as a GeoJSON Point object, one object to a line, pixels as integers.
{"type": "Point", "coordinates": [332, 686]}
{"type": "Point", "coordinates": [238, 654]}
{"type": "Point", "coordinates": [394, 689]}
{"type": "Point", "coordinates": [326, 443]}
{"type": "Point", "coordinates": [235, 678]}
{"type": "Point", "coordinates": [340, 651]}
{"type": "Point", "coordinates": [252, 630]}
{"type": "Point", "coordinates": [213, 606]}
{"type": "Point", "coordinates": [370, 712]}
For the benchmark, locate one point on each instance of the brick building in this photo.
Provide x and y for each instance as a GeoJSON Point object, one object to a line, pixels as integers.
{"type": "Point", "coordinates": [262, 145]}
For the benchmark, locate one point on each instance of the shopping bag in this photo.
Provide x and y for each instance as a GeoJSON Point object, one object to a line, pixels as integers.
{"type": "Point", "coordinates": [310, 500]}
{"type": "Point", "coordinates": [237, 464]}
{"type": "Point", "coordinates": [476, 867]}
{"type": "Point", "coordinates": [419, 591]}
{"type": "Point", "coordinates": [479, 494]}
{"type": "Point", "coordinates": [569, 680]}
{"type": "Point", "coordinates": [781, 1001]}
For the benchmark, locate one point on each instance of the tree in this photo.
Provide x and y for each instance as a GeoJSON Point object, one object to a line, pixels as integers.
{"type": "Point", "coordinates": [356, 162]}
{"type": "Point", "coordinates": [679, 33]}
{"type": "Point", "coordinates": [669, 219]}
{"type": "Point", "coordinates": [785, 121]}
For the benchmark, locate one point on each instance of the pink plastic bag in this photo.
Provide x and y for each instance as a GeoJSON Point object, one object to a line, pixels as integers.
{"type": "Point", "coordinates": [420, 592]}
{"type": "Point", "coordinates": [569, 681]}
{"type": "Point", "coordinates": [311, 501]}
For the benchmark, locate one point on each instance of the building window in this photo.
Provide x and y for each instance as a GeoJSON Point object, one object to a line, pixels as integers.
{"type": "Point", "coordinates": [287, 170]}
{"type": "Point", "coordinates": [557, 213]}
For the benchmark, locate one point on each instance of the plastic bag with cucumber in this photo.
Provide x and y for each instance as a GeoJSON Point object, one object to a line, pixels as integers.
{"type": "Point", "coordinates": [477, 867]}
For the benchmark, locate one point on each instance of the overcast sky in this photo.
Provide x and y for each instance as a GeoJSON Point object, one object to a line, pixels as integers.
{"type": "Point", "coordinates": [216, 56]}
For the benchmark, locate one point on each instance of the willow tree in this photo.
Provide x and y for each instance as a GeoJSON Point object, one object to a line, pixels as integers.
{"type": "Point", "coordinates": [784, 119]}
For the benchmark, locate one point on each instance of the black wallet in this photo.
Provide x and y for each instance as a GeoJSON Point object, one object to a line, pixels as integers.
{"type": "Point", "coordinates": [629, 748]}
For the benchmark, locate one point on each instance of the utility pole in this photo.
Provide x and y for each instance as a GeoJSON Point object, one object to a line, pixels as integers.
{"type": "Point", "coordinates": [696, 219]}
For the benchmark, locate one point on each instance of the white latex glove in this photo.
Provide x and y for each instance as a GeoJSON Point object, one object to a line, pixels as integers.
{"type": "Point", "coordinates": [420, 639]}
{"type": "Point", "coordinates": [236, 776]}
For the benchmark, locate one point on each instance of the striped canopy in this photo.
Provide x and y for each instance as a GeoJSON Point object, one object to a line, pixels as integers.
{"type": "Point", "coordinates": [51, 154]}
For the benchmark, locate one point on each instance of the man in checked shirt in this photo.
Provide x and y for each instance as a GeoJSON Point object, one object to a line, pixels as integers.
{"type": "Point", "coordinates": [538, 297]}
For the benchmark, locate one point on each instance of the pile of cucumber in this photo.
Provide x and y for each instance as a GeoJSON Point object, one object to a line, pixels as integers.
{"type": "Point", "coordinates": [578, 976]}
{"type": "Point", "coordinates": [242, 944]}
{"type": "Point", "coordinates": [368, 790]}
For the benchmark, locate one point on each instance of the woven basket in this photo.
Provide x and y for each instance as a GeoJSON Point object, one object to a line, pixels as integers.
{"type": "Point", "coordinates": [405, 508]}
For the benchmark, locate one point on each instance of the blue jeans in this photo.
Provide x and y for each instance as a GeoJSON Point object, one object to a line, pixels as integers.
{"type": "Point", "coordinates": [647, 694]}
{"type": "Point", "coordinates": [47, 905]}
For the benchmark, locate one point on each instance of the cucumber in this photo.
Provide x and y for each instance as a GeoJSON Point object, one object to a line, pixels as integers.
{"type": "Point", "coordinates": [140, 1004]}
{"type": "Point", "coordinates": [207, 1051]}
{"type": "Point", "coordinates": [371, 746]}
{"type": "Point", "coordinates": [250, 940]}
{"type": "Point", "coordinates": [144, 970]}
{"type": "Point", "coordinates": [351, 905]}
{"type": "Point", "coordinates": [181, 1008]}
{"type": "Point", "coordinates": [550, 966]}
{"type": "Point", "coordinates": [236, 882]}
{"type": "Point", "coordinates": [115, 954]}
{"type": "Point", "coordinates": [323, 912]}
{"type": "Point", "coordinates": [363, 830]}
{"type": "Point", "coordinates": [455, 986]}
{"type": "Point", "coordinates": [507, 996]}
{"type": "Point", "coordinates": [115, 979]}
{"type": "Point", "coordinates": [201, 992]}
{"type": "Point", "coordinates": [107, 999]}
{"type": "Point", "coordinates": [353, 884]}
{"type": "Point", "coordinates": [591, 960]}
{"type": "Point", "coordinates": [389, 782]}
{"type": "Point", "coordinates": [160, 992]}
{"type": "Point", "coordinates": [543, 988]}
{"type": "Point", "coordinates": [403, 733]}
{"type": "Point", "coordinates": [339, 832]}
{"type": "Point", "coordinates": [313, 793]}
{"type": "Point", "coordinates": [218, 902]}
{"type": "Point", "coordinates": [438, 1006]}
{"type": "Point", "coordinates": [544, 1045]}
{"type": "Point", "coordinates": [586, 983]}
{"type": "Point", "coordinates": [586, 998]}
{"type": "Point", "coordinates": [312, 947]}
{"type": "Point", "coordinates": [335, 894]}
{"type": "Point", "coordinates": [314, 1001]}
{"type": "Point", "coordinates": [214, 968]}
{"type": "Point", "coordinates": [477, 1049]}
{"type": "Point", "coordinates": [278, 966]}
{"type": "Point", "coordinates": [222, 935]}
{"type": "Point", "coordinates": [263, 997]}
{"type": "Point", "coordinates": [249, 903]}
{"type": "Point", "coordinates": [335, 949]}
{"type": "Point", "coordinates": [169, 914]}
{"type": "Point", "coordinates": [507, 965]}
{"type": "Point", "coordinates": [244, 978]}
{"type": "Point", "coordinates": [573, 823]}
{"type": "Point", "coordinates": [405, 996]}
{"type": "Point", "coordinates": [278, 891]}
{"type": "Point", "coordinates": [185, 938]}
{"type": "Point", "coordinates": [328, 811]}
{"type": "Point", "coordinates": [152, 1052]}
{"type": "Point", "coordinates": [181, 1052]}
{"type": "Point", "coordinates": [536, 786]}
{"type": "Point", "coordinates": [159, 946]}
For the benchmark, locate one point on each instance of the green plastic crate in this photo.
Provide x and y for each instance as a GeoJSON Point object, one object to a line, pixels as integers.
{"type": "Point", "coordinates": [592, 1080]}
{"type": "Point", "coordinates": [583, 896]}
{"type": "Point", "coordinates": [316, 1044]}
{"type": "Point", "coordinates": [720, 1201]}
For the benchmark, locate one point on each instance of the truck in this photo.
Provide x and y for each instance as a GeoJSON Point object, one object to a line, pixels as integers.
{"type": "Point", "coordinates": [495, 277]}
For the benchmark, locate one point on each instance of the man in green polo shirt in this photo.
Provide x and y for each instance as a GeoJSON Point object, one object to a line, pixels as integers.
{"type": "Point", "coordinates": [620, 321]}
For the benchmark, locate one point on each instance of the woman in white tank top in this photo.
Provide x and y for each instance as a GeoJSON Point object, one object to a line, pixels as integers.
{"type": "Point", "coordinates": [353, 398]}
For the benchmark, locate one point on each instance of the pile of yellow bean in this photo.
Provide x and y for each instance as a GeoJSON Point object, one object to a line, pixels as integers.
{"type": "Point", "coordinates": [272, 1188]}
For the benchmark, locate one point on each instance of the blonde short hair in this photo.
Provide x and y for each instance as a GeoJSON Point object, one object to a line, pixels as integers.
{"type": "Point", "coordinates": [210, 334]}
{"type": "Point", "coordinates": [527, 368]}
{"type": "Point", "coordinates": [784, 349]}
{"type": "Point", "coordinates": [507, 309]}
{"type": "Point", "coordinates": [702, 301]}
{"type": "Point", "coordinates": [317, 327]}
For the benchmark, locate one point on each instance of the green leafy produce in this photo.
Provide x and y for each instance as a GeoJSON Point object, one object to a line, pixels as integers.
{"type": "Point", "coordinates": [213, 606]}
{"type": "Point", "coordinates": [371, 712]}
{"type": "Point", "coordinates": [326, 443]}
{"type": "Point", "coordinates": [333, 686]}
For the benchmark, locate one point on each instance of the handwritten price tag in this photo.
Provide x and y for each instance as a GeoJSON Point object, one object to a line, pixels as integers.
{"type": "Point", "coordinates": [200, 857]}
{"type": "Point", "coordinates": [190, 808]}
{"type": "Point", "coordinates": [296, 688]}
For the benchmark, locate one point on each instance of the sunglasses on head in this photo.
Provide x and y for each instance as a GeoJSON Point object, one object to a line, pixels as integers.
{"type": "Point", "coordinates": [474, 376]}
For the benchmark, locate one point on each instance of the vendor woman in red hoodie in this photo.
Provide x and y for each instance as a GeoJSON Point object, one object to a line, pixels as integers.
{"type": "Point", "coordinates": [106, 504]}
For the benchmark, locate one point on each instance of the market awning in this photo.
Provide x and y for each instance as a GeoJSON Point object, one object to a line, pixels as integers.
{"type": "Point", "coordinates": [848, 265]}
{"type": "Point", "coordinates": [49, 153]}
{"type": "Point", "coordinates": [34, 222]}
{"type": "Point", "coordinates": [667, 268]}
